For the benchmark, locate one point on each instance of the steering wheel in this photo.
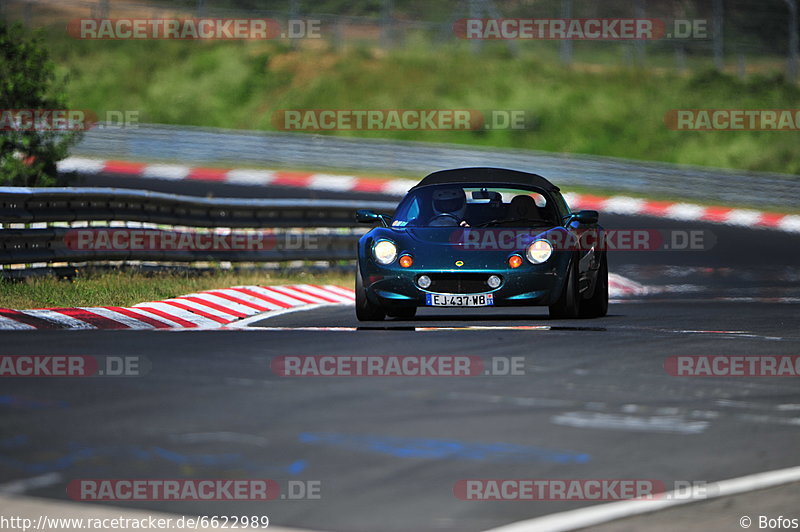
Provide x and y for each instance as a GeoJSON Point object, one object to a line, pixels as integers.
{"type": "Point", "coordinates": [444, 220]}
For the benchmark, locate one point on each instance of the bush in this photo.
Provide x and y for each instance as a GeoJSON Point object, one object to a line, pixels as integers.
{"type": "Point", "coordinates": [27, 81]}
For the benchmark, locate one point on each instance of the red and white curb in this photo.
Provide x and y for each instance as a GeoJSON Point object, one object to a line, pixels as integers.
{"type": "Point", "coordinates": [398, 187]}
{"type": "Point", "coordinates": [621, 287]}
{"type": "Point", "coordinates": [214, 309]}
{"type": "Point", "coordinates": [211, 309]}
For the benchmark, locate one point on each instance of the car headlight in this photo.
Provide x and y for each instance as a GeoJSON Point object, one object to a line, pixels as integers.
{"type": "Point", "coordinates": [384, 251]}
{"type": "Point", "coordinates": [539, 251]}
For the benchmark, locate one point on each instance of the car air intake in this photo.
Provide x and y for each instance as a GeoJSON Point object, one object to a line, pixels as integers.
{"type": "Point", "coordinates": [459, 283]}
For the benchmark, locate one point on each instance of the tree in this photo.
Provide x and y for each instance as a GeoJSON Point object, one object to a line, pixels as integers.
{"type": "Point", "coordinates": [28, 81]}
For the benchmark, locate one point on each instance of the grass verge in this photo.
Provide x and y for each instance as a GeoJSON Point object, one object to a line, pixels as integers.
{"type": "Point", "coordinates": [125, 288]}
{"type": "Point", "coordinates": [613, 111]}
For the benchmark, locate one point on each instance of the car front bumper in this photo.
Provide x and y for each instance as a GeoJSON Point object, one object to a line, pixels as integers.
{"type": "Point", "coordinates": [529, 285]}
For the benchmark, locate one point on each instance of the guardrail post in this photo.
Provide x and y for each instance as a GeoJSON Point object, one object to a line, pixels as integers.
{"type": "Point", "coordinates": [566, 44]}
{"type": "Point", "coordinates": [294, 13]}
{"type": "Point", "coordinates": [474, 12]}
{"type": "Point", "coordinates": [717, 27]}
{"type": "Point", "coordinates": [26, 13]}
{"type": "Point", "coordinates": [639, 44]}
{"type": "Point", "coordinates": [386, 24]}
{"type": "Point", "coordinates": [794, 42]}
{"type": "Point", "coordinates": [680, 58]}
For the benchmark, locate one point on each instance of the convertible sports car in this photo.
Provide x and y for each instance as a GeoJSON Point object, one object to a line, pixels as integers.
{"type": "Point", "coordinates": [478, 237]}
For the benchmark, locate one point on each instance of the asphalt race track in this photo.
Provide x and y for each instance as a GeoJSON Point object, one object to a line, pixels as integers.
{"type": "Point", "coordinates": [594, 402]}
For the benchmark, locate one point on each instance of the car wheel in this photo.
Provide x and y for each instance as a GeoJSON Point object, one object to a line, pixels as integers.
{"type": "Point", "coordinates": [365, 309]}
{"type": "Point", "coordinates": [597, 305]}
{"type": "Point", "coordinates": [568, 303]}
{"type": "Point", "coordinates": [405, 313]}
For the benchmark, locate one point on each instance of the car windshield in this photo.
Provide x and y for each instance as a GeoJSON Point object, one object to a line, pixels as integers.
{"type": "Point", "coordinates": [474, 206]}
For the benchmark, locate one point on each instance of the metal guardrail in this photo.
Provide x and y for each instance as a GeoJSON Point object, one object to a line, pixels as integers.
{"type": "Point", "coordinates": [25, 246]}
{"type": "Point", "coordinates": [184, 214]}
{"type": "Point", "coordinates": [242, 148]}
{"type": "Point", "coordinates": [25, 205]}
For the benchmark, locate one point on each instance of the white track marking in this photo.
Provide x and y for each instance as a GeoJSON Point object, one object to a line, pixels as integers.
{"type": "Point", "coordinates": [685, 211]}
{"type": "Point", "coordinates": [742, 217]}
{"type": "Point", "coordinates": [9, 323]}
{"type": "Point", "coordinates": [348, 293]}
{"type": "Point", "coordinates": [291, 291]}
{"type": "Point", "coordinates": [259, 298]}
{"type": "Point", "coordinates": [624, 205]}
{"type": "Point", "coordinates": [572, 198]}
{"type": "Point", "coordinates": [596, 420]}
{"type": "Point", "coordinates": [790, 223]}
{"type": "Point", "coordinates": [238, 306]}
{"type": "Point", "coordinates": [241, 296]}
{"type": "Point", "coordinates": [330, 294]}
{"type": "Point", "coordinates": [250, 177]}
{"type": "Point", "coordinates": [268, 292]}
{"type": "Point", "coordinates": [773, 420]}
{"type": "Point", "coordinates": [78, 164]}
{"type": "Point", "coordinates": [161, 319]}
{"type": "Point", "coordinates": [604, 513]}
{"type": "Point", "coordinates": [16, 487]}
{"type": "Point", "coordinates": [174, 172]}
{"type": "Point", "coordinates": [398, 187]}
{"type": "Point", "coordinates": [133, 323]}
{"type": "Point", "coordinates": [619, 286]}
{"type": "Point", "coordinates": [51, 315]}
{"type": "Point", "coordinates": [203, 308]}
{"type": "Point", "coordinates": [170, 310]}
{"type": "Point", "coordinates": [337, 183]}
{"type": "Point", "coordinates": [221, 301]}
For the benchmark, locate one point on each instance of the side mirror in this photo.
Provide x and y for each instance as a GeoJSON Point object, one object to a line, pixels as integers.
{"type": "Point", "coordinates": [586, 217]}
{"type": "Point", "coordinates": [365, 216]}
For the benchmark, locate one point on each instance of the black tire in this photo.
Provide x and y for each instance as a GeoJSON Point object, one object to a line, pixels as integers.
{"type": "Point", "coordinates": [365, 309]}
{"type": "Point", "coordinates": [405, 313]}
{"type": "Point", "coordinates": [597, 305]}
{"type": "Point", "coordinates": [568, 304]}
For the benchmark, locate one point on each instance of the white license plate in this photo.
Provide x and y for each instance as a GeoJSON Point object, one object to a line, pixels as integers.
{"type": "Point", "coordinates": [453, 300]}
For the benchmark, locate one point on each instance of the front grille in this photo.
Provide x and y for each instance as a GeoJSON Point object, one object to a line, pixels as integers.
{"type": "Point", "coordinates": [458, 283]}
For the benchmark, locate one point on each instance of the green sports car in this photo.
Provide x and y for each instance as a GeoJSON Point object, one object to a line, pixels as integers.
{"type": "Point", "coordinates": [482, 237]}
